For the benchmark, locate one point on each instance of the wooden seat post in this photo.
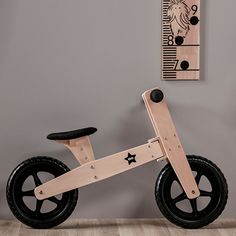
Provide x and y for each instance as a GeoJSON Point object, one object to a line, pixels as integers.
{"type": "Point", "coordinates": [81, 149]}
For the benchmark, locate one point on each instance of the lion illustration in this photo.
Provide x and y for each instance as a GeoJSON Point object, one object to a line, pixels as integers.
{"type": "Point", "coordinates": [178, 13]}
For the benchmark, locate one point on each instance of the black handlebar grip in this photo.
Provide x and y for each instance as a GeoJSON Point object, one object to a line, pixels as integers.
{"type": "Point", "coordinates": [156, 95]}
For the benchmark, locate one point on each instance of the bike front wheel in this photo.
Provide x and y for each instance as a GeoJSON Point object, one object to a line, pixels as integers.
{"type": "Point", "coordinates": [192, 213]}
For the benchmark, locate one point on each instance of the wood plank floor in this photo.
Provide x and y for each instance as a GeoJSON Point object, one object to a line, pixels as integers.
{"type": "Point", "coordinates": [119, 227]}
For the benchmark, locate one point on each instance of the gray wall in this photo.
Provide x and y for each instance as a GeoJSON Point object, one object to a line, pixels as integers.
{"type": "Point", "coordinates": [76, 63]}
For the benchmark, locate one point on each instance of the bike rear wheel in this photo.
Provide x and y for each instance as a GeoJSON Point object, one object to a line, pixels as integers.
{"type": "Point", "coordinates": [33, 213]}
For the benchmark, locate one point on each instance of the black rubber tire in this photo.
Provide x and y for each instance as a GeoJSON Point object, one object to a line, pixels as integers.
{"type": "Point", "coordinates": [28, 216]}
{"type": "Point", "coordinates": [205, 216]}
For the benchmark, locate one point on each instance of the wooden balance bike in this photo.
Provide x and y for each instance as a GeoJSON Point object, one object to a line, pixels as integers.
{"type": "Point", "coordinates": [185, 172]}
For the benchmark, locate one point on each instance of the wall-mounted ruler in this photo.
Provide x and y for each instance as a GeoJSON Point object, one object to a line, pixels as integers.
{"type": "Point", "coordinates": [180, 39]}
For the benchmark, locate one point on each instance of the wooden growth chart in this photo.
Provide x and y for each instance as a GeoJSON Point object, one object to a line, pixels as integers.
{"type": "Point", "coordinates": [180, 39]}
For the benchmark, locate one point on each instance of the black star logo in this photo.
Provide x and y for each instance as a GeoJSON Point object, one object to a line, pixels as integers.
{"type": "Point", "coordinates": [130, 158]}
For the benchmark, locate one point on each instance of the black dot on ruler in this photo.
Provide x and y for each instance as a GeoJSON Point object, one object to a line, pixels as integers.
{"type": "Point", "coordinates": [179, 40]}
{"type": "Point", "coordinates": [184, 65]}
{"type": "Point", "coordinates": [194, 20]}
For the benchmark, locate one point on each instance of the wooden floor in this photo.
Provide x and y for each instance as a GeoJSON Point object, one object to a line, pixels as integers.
{"type": "Point", "coordinates": [119, 227]}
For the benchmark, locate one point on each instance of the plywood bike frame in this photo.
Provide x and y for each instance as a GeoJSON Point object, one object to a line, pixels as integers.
{"type": "Point", "coordinates": [166, 144]}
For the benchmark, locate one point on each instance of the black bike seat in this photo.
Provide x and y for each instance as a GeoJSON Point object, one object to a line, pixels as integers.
{"type": "Point", "coordinates": [72, 134]}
